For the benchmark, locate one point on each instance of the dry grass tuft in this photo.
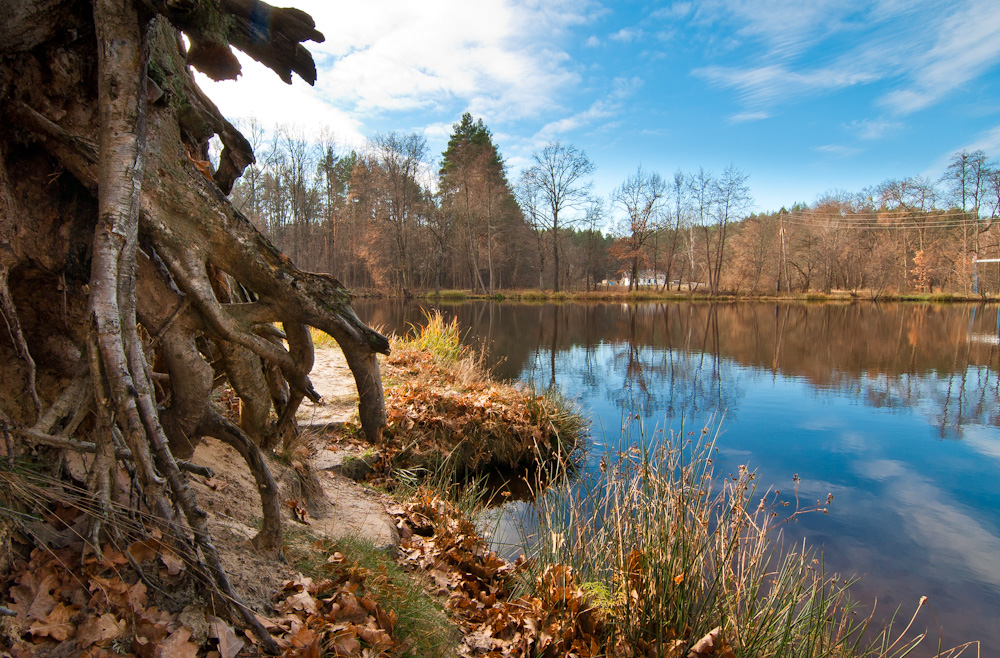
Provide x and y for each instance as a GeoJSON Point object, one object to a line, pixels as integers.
{"type": "Point", "coordinates": [444, 407]}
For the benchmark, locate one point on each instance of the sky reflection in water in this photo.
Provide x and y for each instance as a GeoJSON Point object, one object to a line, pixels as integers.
{"type": "Point", "coordinates": [894, 409]}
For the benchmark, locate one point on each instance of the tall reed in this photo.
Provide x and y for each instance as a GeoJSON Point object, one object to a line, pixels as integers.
{"type": "Point", "coordinates": [670, 553]}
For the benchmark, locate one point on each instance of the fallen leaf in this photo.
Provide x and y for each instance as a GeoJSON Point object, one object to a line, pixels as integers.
{"type": "Point", "coordinates": [143, 551]}
{"type": "Point", "coordinates": [33, 595]}
{"type": "Point", "coordinates": [177, 645]}
{"type": "Point", "coordinates": [172, 562]}
{"type": "Point", "coordinates": [706, 645]}
{"type": "Point", "coordinates": [57, 625]}
{"type": "Point", "coordinates": [229, 643]}
{"type": "Point", "coordinates": [137, 596]}
{"type": "Point", "coordinates": [98, 629]}
{"type": "Point", "coordinates": [215, 484]}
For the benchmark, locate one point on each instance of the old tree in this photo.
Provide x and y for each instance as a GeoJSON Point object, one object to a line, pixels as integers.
{"type": "Point", "coordinates": [130, 288]}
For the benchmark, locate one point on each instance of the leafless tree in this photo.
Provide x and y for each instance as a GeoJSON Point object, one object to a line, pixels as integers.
{"type": "Point", "coordinates": [641, 198]}
{"type": "Point", "coordinates": [560, 173]}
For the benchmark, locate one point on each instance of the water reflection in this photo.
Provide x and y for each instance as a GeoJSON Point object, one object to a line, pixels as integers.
{"type": "Point", "coordinates": [893, 408]}
{"type": "Point", "coordinates": [673, 357]}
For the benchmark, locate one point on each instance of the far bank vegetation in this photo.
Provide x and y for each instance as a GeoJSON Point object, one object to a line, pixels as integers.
{"type": "Point", "coordinates": [372, 218]}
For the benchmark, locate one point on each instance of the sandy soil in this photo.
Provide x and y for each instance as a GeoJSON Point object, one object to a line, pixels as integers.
{"type": "Point", "coordinates": [346, 508]}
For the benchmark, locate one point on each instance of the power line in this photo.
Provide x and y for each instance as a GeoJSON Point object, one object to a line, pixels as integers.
{"type": "Point", "coordinates": [888, 220]}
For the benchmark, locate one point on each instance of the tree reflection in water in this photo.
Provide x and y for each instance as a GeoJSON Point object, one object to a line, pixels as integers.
{"type": "Point", "coordinates": [894, 408]}
{"type": "Point", "coordinates": [694, 358]}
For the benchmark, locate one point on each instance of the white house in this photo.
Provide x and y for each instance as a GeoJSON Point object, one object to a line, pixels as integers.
{"type": "Point", "coordinates": [646, 278]}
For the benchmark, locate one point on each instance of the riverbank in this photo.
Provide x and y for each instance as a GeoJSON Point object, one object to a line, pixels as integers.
{"type": "Point", "coordinates": [620, 294]}
{"type": "Point", "coordinates": [631, 593]}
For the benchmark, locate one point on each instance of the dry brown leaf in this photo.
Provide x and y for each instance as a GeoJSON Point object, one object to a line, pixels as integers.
{"type": "Point", "coordinates": [345, 644]}
{"type": "Point", "coordinates": [137, 596]}
{"type": "Point", "coordinates": [98, 629]}
{"type": "Point", "coordinates": [143, 551]}
{"type": "Point", "coordinates": [216, 485]}
{"type": "Point", "coordinates": [300, 512]}
{"type": "Point", "coordinates": [57, 624]}
{"type": "Point", "coordinates": [229, 643]}
{"type": "Point", "coordinates": [177, 645]}
{"type": "Point", "coordinates": [300, 601]}
{"type": "Point", "coordinates": [172, 562]}
{"type": "Point", "coordinates": [33, 595]}
{"type": "Point", "coordinates": [706, 646]}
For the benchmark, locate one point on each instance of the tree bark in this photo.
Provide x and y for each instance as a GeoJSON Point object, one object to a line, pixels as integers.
{"type": "Point", "coordinates": [115, 235]}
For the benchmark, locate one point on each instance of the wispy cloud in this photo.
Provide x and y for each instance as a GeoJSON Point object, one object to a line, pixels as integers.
{"type": "Point", "coordinates": [924, 50]}
{"type": "Point", "coordinates": [838, 150]}
{"type": "Point", "coordinates": [870, 129]}
{"type": "Point", "coordinates": [260, 94]}
{"type": "Point", "coordinates": [988, 141]}
{"type": "Point", "coordinates": [784, 28]}
{"type": "Point", "coordinates": [768, 84]}
{"type": "Point", "coordinates": [744, 117]}
{"type": "Point", "coordinates": [966, 45]}
{"type": "Point", "coordinates": [626, 35]}
{"type": "Point", "coordinates": [608, 106]}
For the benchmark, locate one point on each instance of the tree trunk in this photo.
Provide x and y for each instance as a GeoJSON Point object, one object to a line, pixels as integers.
{"type": "Point", "coordinates": [118, 246]}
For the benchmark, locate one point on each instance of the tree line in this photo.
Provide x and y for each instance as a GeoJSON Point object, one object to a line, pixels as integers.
{"type": "Point", "coordinates": [384, 217]}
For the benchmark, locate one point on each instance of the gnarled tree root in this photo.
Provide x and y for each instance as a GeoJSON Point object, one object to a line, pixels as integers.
{"type": "Point", "coordinates": [161, 233]}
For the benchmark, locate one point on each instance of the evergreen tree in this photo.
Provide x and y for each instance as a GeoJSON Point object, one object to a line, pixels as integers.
{"type": "Point", "coordinates": [476, 201]}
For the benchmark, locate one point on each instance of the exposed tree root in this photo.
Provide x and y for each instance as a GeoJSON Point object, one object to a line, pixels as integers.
{"type": "Point", "coordinates": [133, 286]}
{"type": "Point", "coordinates": [269, 537]}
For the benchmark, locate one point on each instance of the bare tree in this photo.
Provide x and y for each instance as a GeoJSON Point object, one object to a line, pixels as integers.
{"type": "Point", "coordinates": [675, 226]}
{"type": "Point", "coordinates": [395, 162]}
{"type": "Point", "coordinates": [560, 175]}
{"type": "Point", "coordinates": [528, 194]}
{"type": "Point", "coordinates": [642, 198]}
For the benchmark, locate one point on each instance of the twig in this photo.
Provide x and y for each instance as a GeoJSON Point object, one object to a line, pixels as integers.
{"type": "Point", "coordinates": [7, 612]}
{"type": "Point", "coordinates": [9, 443]}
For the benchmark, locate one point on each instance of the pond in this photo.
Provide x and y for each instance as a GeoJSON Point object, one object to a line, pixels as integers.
{"type": "Point", "coordinates": [892, 408]}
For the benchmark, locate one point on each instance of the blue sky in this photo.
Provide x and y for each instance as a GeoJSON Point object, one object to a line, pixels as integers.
{"type": "Point", "coordinates": [806, 97]}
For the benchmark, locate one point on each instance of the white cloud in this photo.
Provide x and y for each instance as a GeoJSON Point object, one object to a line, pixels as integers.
{"type": "Point", "coordinates": [784, 27]}
{"type": "Point", "coordinates": [387, 55]}
{"type": "Point", "coordinates": [261, 94]}
{"type": "Point", "coordinates": [838, 150]}
{"type": "Point", "coordinates": [766, 85]}
{"type": "Point", "coordinates": [626, 35]}
{"type": "Point", "coordinates": [966, 45]}
{"type": "Point", "coordinates": [873, 129]}
{"type": "Point", "coordinates": [503, 61]}
{"type": "Point", "coordinates": [744, 117]}
{"type": "Point", "coordinates": [603, 108]}
{"type": "Point", "coordinates": [988, 141]}
{"type": "Point", "coordinates": [925, 49]}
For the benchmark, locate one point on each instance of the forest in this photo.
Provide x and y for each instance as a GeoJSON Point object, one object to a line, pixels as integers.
{"type": "Point", "coordinates": [391, 218]}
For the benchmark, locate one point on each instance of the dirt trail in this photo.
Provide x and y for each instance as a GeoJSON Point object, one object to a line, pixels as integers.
{"type": "Point", "coordinates": [350, 509]}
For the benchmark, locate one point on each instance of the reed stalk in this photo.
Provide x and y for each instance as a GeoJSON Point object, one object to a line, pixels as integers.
{"type": "Point", "coordinates": [669, 552]}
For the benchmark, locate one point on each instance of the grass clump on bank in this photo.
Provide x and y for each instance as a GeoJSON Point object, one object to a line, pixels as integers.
{"type": "Point", "coordinates": [444, 407]}
{"type": "Point", "coordinates": [675, 558]}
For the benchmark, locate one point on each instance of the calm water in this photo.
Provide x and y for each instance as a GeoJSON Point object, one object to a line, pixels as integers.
{"type": "Point", "coordinates": [892, 408]}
